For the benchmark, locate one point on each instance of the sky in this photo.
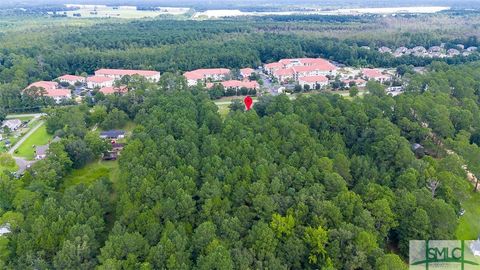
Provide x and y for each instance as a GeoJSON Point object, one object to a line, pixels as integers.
{"type": "Point", "coordinates": [234, 3]}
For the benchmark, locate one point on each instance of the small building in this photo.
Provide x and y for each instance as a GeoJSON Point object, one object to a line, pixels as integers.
{"type": "Point", "coordinates": [112, 134]}
{"type": "Point", "coordinates": [453, 52]}
{"type": "Point", "coordinates": [418, 150]}
{"type": "Point", "coordinates": [471, 49]}
{"type": "Point", "coordinates": [41, 152]}
{"type": "Point", "coordinates": [99, 81]}
{"type": "Point", "coordinates": [12, 124]}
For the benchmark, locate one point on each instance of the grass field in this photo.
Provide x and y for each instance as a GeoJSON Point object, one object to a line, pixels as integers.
{"type": "Point", "coordinates": [39, 137]}
{"type": "Point", "coordinates": [91, 173]}
{"type": "Point", "coordinates": [223, 110]}
{"type": "Point", "coordinates": [469, 225]}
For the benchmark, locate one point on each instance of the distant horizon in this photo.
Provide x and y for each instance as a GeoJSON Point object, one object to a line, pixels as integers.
{"type": "Point", "coordinates": [228, 4]}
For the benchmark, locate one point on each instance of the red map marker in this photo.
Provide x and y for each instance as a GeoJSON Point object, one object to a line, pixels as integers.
{"type": "Point", "coordinates": [248, 102]}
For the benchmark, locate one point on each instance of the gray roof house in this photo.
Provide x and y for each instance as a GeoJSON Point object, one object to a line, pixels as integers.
{"type": "Point", "coordinates": [41, 151]}
{"type": "Point", "coordinates": [12, 124]}
{"type": "Point", "coordinates": [112, 134]}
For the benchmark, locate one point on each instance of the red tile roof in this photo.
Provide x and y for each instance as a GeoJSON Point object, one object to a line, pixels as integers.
{"type": "Point", "coordinates": [112, 90]}
{"type": "Point", "coordinates": [372, 73]}
{"type": "Point", "coordinates": [284, 72]}
{"type": "Point", "coordinates": [199, 74]}
{"type": "Point", "coordinates": [315, 67]}
{"type": "Point", "coordinates": [71, 78]}
{"type": "Point", "coordinates": [44, 84]}
{"type": "Point", "coordinates": [236, 84]}
{"type": "Point", "coordinates": [58, 93]}
{"type": "Point", "coordinates": [124, 72]}
{"type": "Point", "coordinates": [247, 71]}
{"type": "Point", "coordinates": [313, 79]}
{"type": "Point", "coordinates": [99, 79]}
{"type": "Point", "coordinates": [273, 65]}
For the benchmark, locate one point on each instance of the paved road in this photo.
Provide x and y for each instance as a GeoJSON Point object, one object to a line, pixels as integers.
{"type": "Point", "coordinates": [22, 140]}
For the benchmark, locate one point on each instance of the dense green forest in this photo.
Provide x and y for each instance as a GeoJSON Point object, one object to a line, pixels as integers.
{"type": "Point", "coordinates": [320, 182]}
{"type": "Point", "coordinates": [34, 48]}
{"type": "Point", "coordinates": [317, 182]}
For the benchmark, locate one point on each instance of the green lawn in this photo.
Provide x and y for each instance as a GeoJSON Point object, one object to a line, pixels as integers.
{"type": "Point", "coordinates": [469, 225]}
{"type": "Point", "coordinates": [91, 173]}
{"type": "Point", "coordinates": [223, 110]}
{"type": "Point", "coordinates": [39, 137]}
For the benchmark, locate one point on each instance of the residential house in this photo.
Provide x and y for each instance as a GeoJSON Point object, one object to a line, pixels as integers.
{"type": "Point", "coordinates": [472, 49]}
{"type": "Point", "coordinates": [435, 49]}
{"type": "Point", "coordinates": [400, 51]}
{"type": "Point", "coordinates": [375, 74]}
{"type": "Point", "coordinates": [117, 74]}
{"type": "Point", "coordinates": [12, 124]}
{"type": "Point", "coordinates": [112, 134]}
{"type": "Point", "coordinates": [113, 90]}
{"type": "Point", "coordinates": [384, 49]}
{"type": "Point", "coordinates": [246, 72]}
{"type": "Point", "coordinates": [213, 74]}
{"type": "Point", "coordinates": [99, 81]}
{"type": "Point", "coordinates": [114, 153]}
{"type": "Point", "coordinates": [314, 82]}
{"type": "Point", "coordinates": [235, 84]}
{"type": "Point", "coordinates": [71, 79]}
{"type": "Point", "coordinates": [41, 152]}
{"type": "Point", "coordinates": [453, 52]}
{"type": "Point", "coordinates": [460, 46]}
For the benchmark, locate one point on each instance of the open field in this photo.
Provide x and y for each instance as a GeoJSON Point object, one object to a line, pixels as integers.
{"type": "Point", "coordinates": [39, 137]}
{"type": "Point", "coordinates": [469, 225]}
{"type": "Point", "coordinates": [91, 173]}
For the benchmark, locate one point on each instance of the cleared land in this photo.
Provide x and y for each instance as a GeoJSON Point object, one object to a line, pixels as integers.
{"type": "Point", "coordinates": [91, 173]}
